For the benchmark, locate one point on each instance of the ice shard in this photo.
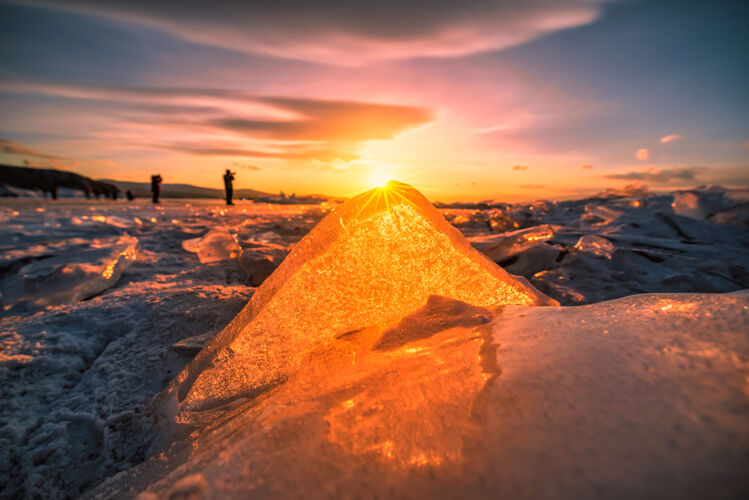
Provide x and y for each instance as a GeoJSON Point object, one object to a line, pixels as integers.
{"type": "Point", "coordinates": [373, 260]}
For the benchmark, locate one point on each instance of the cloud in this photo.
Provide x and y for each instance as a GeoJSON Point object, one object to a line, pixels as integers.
{"type": "Point", "coordinates": [642, 154]}
{"type": "Point", "coordinates": [519, 167]}
{"type": "Point", "coordinates": [303, 152]}
{"type": "Point", "coordinates": [586, 167]}
{"type": "Point", "coordinates": [324, 120]}
{"type": "Point", "coordinates": [352, 32]}
{"type": "Point", "coordinates": [661, 176]}
{"type": "Point", "coordinates": [281, 118]}
{"type": "Point", "coordinates": [246, 166]}
{"type": "Point", "coordinates": [16, 148]}
{"type": "Point", "coordinates": [531, 186]}
{"type": "Point", "coordinates": [671, 138]}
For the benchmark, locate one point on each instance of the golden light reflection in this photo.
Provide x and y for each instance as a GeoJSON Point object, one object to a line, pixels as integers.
{"type": "Point", "coordinates": [379, 178]}
{"type": "Point", "coordinates": [667, 305]}
{"type": "Point", "coordinates": [373, 260]}
{"type": "Point", "coordinates": [128, 254]}
{"type": "Point", "coordinates": [403, 398]}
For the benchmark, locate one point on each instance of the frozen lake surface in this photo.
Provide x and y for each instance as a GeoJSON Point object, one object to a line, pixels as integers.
{"type": "Point", "coordinates": [105, 302]}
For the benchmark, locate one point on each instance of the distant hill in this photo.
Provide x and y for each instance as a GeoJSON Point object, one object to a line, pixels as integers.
{"type": "Point", "coordinates": [48, 181]}
{"type": "Point", "coordinates": [143, 190]}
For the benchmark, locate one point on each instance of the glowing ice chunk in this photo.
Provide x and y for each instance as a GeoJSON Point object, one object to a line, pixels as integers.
{"type": "Point", "coordinates": [596, 245]}
{"type": "Point", "coordinates": [499, 247]}
{"type": "Point", "coordinates": [217, 244]}
{"type": "Point", "coordinates": [374, 259]}
{"type": "Point", "coordinates": [75, 274]}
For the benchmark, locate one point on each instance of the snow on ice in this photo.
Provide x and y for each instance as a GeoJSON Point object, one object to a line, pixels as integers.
{"type": "Point", "coordinates": [443, 391]}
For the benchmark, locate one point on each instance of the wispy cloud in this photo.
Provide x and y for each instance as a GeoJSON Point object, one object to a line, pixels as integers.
{"type": "Point", "coordinates": [305, 152]}
{"type": "Point", "coordinates": [353, 32]}
{"type": "Point", "coordinates": [323, 120]}
{"type": "Point", "coordinates": [16, 148]}
{"type": "Point", "coordinates": [246, 166]}
{"type": "Point", "coordinates": [327, 129]}
{"type": "Point", "coordinates": [642, 154]}
{"type": "Point", "coordinates": [671, 138]}
{"type": "Point", "coordinates": [586, 167]}
{"type": "Point", "coordinates": [519, 167]}
{"type": "Point", "coordinates": [661, 176]}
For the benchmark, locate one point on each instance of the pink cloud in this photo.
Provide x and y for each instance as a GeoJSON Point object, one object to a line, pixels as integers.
{"type": "Point", "coordinates": [671, 138]}
{"type": "Point", "coordinates": [353, 32]}
{"type": "Point", "coordinates": [643, 154]}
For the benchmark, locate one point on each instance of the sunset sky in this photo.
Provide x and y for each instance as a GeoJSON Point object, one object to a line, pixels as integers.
{"type": "Point", "coordinates": [464, 100]}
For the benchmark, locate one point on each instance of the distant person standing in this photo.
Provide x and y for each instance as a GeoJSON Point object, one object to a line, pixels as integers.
{"type": "Point", "coordinates": [156, 187]}
{"type": "Point", "coordinates": [130, 196]}
{"type": "Point", "coordinates": [229, 186]}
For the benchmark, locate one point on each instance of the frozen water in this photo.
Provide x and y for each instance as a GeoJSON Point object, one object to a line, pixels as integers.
{"type": "Point", "coordinates": [373, 259]}
{"type": "Point", "coordinates": [596, 245]}
{"type": "Point", "coordinates": [217, 244]}
{"type": "Point", "coordinates": [724, 206]}
{"type": "Point", "coordinates": [76, 273]}
{"type": "Point", "coordinates": [260, 259]}
{"type": "Point", "coordinates": [641, 245]}
{"type": "Point", "coordinates": [645, 397]}
{"type": "Point", "coordinates": [75, 378]}
{"type": "Point", "coordinates": [500, 247]}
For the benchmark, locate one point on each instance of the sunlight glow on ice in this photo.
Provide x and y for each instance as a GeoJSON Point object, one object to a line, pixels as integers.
{"type": "Point", "coordinates": [374, 259]}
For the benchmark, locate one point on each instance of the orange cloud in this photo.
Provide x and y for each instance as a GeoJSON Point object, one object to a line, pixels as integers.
{"type": "Point", "coordinates": [246, 166]}
{"type": "Point", "coordinates": [671, 138]}
{"type": "Point", "coordinates": [305, 152]}
{"type": "Point", "coordinates": [586, 167]}
{"type": "Point", "coordinates": [520, 167]}
{"type": "Point", "coordinates": [323, 120]}
{"type": "Point", "coordinates": [642, 154]}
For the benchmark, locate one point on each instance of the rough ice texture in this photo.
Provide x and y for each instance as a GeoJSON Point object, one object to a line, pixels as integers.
{"type": "Point", "coordinates": [724, 206]}
{"type": "Point", "coordinates": [650, 248]}
{"type": "Point", "coordinates": [79, 272]}
{"type": "Point", "coordinates": [217, 244]}
{"type": "Point", "coordinates": [646, 397]}
{"type": "Point", "coordinates": [373, 259]}
{"type": "Point", "coordinates": [641, 397]}
{"type": "Point", "coordinates": [75, 378]}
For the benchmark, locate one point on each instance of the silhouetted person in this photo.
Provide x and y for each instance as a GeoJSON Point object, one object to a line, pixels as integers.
{"type": "Point", "coordinates": [129, 195]}
{"type": "Point", "coordinates": [53, 192]}
{"type": "Point", "coordinates": [228, 185]}
{"type": "Point", "coordinates": [156, 187]}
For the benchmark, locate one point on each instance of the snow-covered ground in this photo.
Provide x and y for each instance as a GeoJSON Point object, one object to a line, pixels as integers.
{"type": "Point", "coordinates": [105, 302]}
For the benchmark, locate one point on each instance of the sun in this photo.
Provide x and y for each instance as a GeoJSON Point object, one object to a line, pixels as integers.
{"type": "Point", "coordinates": [379, 178]}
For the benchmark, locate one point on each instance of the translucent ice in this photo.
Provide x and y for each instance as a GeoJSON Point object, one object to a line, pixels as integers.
{"type": "Point", "coordinates": [596, 245]}
{"type": "Point", "coordinates": [260, 260]}
{"type": "Point", "coordinates": [713, 203]}
{"type": "Point", "coordinates": [499, 247]}
{"type": "Point", "coordinates": [372, 260]}
{"type": "Point", "coordinates": [72, 275]}
{"type": "Point", "coordinates": [217, 244]}
{"type": "Point", "coordinates": [454, 401]}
